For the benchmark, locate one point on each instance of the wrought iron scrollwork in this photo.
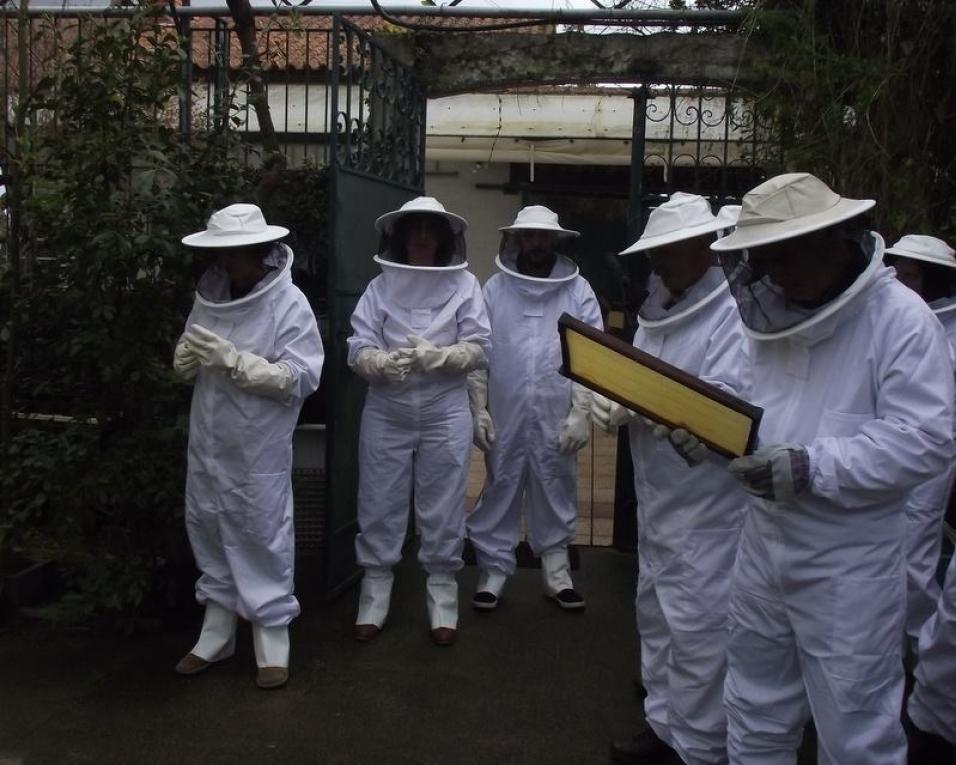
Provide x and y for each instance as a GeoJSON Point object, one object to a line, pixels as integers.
{"type": "Point", "coordinates": [699, 138]}
{"type": "Point", "coordinates": [380, 121]}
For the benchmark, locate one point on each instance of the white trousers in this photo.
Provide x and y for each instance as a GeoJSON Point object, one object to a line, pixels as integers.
{"type": "Point", "coordinates": [683, 674]}
{"type": "Point", "coordinates": [932, 706]}
{"type": "Point", "coordinates": [247, 559]}
{"type": "Point", "coordinates": [401, 446]}
{"type": "Point", "coordinates": [774, 684]}
{"type": "Point", "coordinates": [544, 487]}
{"type": "Point", "coordinates": [925, 506]}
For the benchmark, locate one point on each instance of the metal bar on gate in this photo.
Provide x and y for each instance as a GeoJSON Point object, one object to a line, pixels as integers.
{"type": "Point", "coordinates": [422, 138]}
{"type": "Point", "coordinates": [669, 167]}
{"type": "Point", "coordinates": [363, 94]}
{"type": "Point", "coordinates": [220, 50]}
{"type": "Point", "coordinates": [288, 82]}
{"type": "Point", "coordinates": [638, 143]}
{"type": "Point", "coordinates": [349, 67]}
{"type": "Point", "coordinates": [186, 92]}
{"type": "Point", "coordinates": [331, 85]}
{"type": "Point", "coordinates": [728, 110]}
{"type": "Point", "coordinates": [208, 36]}
{"type": "Point", "coordinates": [305, 96]}
{"type": "Point", "coordinates": [699, 149]}
{"type": "Point", "coordinates": [334, 85]}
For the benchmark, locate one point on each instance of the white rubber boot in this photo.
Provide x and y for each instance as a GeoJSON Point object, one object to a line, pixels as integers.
{"type": "Point", "coordinates": [271, 645]}
{"type": "Point", "coordinates": [217, 640]}
{"type": "Point", "coordinates": [441, 596]}
{"type": "Point", "coordinates": [375, 597]}
{"type": "Point", "coordinates": [272, 655]}
{"type": "Point", "coordinates": [556, 572]}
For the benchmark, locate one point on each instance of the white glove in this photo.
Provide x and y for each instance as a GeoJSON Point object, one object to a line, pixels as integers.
{"type": "Point", "coordinates": [248, 371]}
{"type": "Point", "coordinates": [255, 374]}
{"type": "Point", "coordinates": [483, 429]}
{"type": "Point", "coordinates": [778, 472]}
{"type": "Point", "coordinates": [687, 445]}
{"type": "Point", "coordinates": [459, 358]}
{"type": "Point", "coordinates": [376, 365]}
{"type": "Point", "coordinates": [211, 350]}
{"type": "Point", "coordinates": [576, 428]}
{"type": "Point", "coordinates": [185, 361]}
{"type": "Point", "coordinates": [610, 415]}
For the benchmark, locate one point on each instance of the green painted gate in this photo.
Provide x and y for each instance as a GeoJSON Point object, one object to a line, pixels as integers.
{"type": "Point", "coordinates": [376, 162]}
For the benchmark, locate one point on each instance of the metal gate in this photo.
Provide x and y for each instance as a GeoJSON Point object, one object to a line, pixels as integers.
{"type": "Point", "coordinates": [377, 162]}
{"type": "Point", "coordinates": [704, 140]}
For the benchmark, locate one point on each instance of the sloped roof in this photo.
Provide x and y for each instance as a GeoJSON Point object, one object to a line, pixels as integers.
{"type": "Point", "coordinates": [302, 43]}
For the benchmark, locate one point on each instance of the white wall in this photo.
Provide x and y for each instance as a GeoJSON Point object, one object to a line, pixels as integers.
{"type": "Point", "coordinates": [453, 184]}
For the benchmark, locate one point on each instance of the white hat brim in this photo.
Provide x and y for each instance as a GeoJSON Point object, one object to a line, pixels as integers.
{"type": "Point", "coordinates": [746, 237]}
{"type": "Point", "coordinates": [946, 262]}
{"type": "Point", "coordinates": [383, 224]}
{"type": "Point", "coordinates": [208, 240]}
{"type": "Point", "coordinates": [563, 233]}
{"type": "Point", "coordinates": [649, 243]}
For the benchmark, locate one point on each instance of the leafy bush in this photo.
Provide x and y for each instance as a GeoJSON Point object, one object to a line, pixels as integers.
{"type": "Point", "coordinates": [863, 95]}
{"type": "Point", "coordinates": [109, 190]}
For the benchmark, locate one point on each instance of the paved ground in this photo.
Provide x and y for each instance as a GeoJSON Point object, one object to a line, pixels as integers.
{"type": "Point", "coordinates": [526, 684]}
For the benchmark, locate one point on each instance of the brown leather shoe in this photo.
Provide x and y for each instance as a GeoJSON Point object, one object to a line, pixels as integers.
{"type": "Point", "coordinates": [443, 635]}
{"type": "Point", "coordinates": [272, 677]}
{"type": "Point", "coordinates": [365, 632]}
{"type": "Point", "coordinates": [191, 664]}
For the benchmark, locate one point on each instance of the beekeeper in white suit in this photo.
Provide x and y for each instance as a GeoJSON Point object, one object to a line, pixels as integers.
{"type": "Point", "coordinates": [417, 331]}
{"type": "Point", "coordinates": [926, 265]}
{"type": "Point", "coordinates": [528, 419]}
{"type": "Point", "coordinates": [689, 511]}
{"type": "Point", "coordinates": [853, 373]}
{"type": "Point", "coordinates": [253, 348]}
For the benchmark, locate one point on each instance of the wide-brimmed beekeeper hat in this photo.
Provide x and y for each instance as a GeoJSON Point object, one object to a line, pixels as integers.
{"type": "Point", "coordinates": [539, 218]}
{"type": "Point", "coordinates": [683, 216]}
{"type": "Point", "coordinates": [788, 206]}
{"type": "Point", "coordinates": [928, 249]}
{"type": "Point", "coordinates": [237, 225]}
{"type": "Point", "coordinates": [429, 205]}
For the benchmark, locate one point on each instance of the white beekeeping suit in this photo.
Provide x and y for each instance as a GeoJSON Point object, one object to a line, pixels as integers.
{"type": "Point", "coordinates": [539, 418]}
{"type": "Point", "coordinates": [689, 515]}
{"type": "Point", "coordinates": [417, 331]}
{"type": "Point", "coordinates": [927, 257]}
{"type": "Point", "coordinates": [853, 373]}
{"type": "Point", "coordinates": [254, 359]}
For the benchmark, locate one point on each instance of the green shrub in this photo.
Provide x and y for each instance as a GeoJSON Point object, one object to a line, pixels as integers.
{"type": "Point", "coordinates": [110, 188]}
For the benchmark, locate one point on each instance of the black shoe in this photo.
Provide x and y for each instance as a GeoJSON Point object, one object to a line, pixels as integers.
{"type": "Point", "coordinates": [928, 749]}
{"type": "Point", "coordinates": [643, 749]}
{"type": "Point", "coordinates": [485, 601]}
{"type": "Point", "coordinates": [569, 599]}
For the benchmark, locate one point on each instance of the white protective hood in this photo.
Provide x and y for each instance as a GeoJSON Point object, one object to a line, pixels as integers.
{"type": "Point", "coordinates": [565, 270]}
{"type": "Point", "coordinates": [420, 286]}
{"type": "Point", "coordinates": [768, 315]}
{"type": "Point", "coordinates": [654, 316]}
{"type": "Point", "coordinates": [212, 291]}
